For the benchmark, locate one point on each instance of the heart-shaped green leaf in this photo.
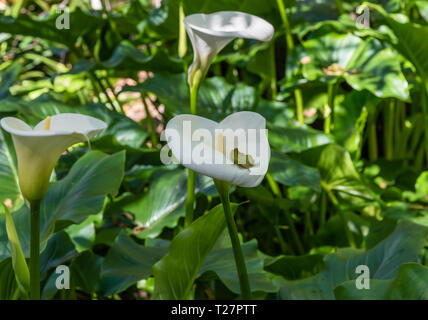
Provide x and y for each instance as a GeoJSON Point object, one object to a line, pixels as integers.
{"type": "Point", "coordinates": [175, 273]}
{"type": "Point", "coordinates": [383, 260]}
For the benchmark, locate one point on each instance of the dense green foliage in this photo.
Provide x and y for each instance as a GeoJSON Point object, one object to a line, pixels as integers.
{"type": "Point", "coordinates": [347, 182]}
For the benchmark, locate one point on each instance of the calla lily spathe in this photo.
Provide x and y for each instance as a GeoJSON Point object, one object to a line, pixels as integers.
{"type": "Point", "coordinates": [39, 149]}
{"type": "Point", "coordinates": [210, 33]}
{"type": "Point", "coordinates": [197, 143]}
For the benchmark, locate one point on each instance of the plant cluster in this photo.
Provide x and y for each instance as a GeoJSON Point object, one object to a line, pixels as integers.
{"type": "Point", "coordinates": [346, 110]}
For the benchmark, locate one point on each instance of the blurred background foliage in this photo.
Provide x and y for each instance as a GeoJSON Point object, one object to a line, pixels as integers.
{"type": "Point", "coordinates": [348, 124]}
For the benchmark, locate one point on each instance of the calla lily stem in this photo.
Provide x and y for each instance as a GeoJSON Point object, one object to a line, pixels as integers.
{"type": "Point", "coordinates": [285, 24]}
{"type": "Point", "coordinates": [330, 108]}
{"type": "Point", "coordinates": [290, 47]}
{"type": "Point", "coordinates": [194, 90]}
{"type": "Point", "coordinates": [35, 250]}
{"type": "Point", "coordinates": [190, 199]}
{"type": "Point", "coordinates": [223, 190]}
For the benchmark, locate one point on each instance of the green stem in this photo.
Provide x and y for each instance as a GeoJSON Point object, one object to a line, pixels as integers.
{"type": "Point", "coordinates": [104, 91]}
{"type": "Point", "coordinates": [277, 192]}
{"type": "Point", "coordinates": [371, 127]}
{"type": "Point", "coordinates": [348, 232]}
{"type": "Point", "coordinates": [189, 206]}
{"type": "Point", "coordinates": [43, 5]}
{"type": "Point", "coordinates": [308, 223]}
{"type": "Point", "coordinates": [97, 90]}
{"type": "Point", "coordinates": [150, 122]}
{"type": "Point", "coordinates": [285, 24]}
{"type": "Point", "coordinates": [17, 8]}
{"type": "Point", "coordinates": [223, 190]}
{"type": "Point", "coordinates": [290, 46]}
{"type": "Point", "coordinates": [190, 199]}
{"type": "Point", "coordinates": [35, 250]}
{"type": "Point", "coordinates": [294, 233]}
{"type": "Point", "coordinates": [299, 105]}
{"type": "Point", "coordinates": [361, 125]}
{"type": "Point", "coordinates": [273, 83]}
{"type": "Point", "coordinates": [329, 110]}
{"type": "Point", "coordinates": [419, 158]}
{"type": "Point", "coordinates": [281, 240]}
{"type": "Point", "coordinates": [194, 89]}
{"type": "Point", "coordinates": [417, 133]}
{"type": "Point", "coordinates": [116, 98]}
{"type": "Point", "coordinates": [389, 129]}
{"type": "Point", "coordinates": [399, 126]}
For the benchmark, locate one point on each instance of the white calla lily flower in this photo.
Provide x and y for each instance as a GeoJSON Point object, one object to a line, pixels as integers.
{"type": "Point", "coordinates": [38, 150]}
{"type": "Point", "coordinates": [210, 33]}
{"type": "Point", "coordinates": [213, 149]}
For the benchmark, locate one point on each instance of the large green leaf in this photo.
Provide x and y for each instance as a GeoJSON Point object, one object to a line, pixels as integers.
{"type": "Point", "coordinates": [175, 273]}
{"type": "Point", "coordinates": [326, 49]}
{"type": "Point", "coordinates": [350, 118]}
{"type": "Point", "coordinates": [126, 263]}
{"type": "Point", "coordinates": [337, 170]}
{"type": "Point", "coordinates": [9, 288]}
{"type": "Point", "coordinates": [85, 270]}
{"type": "Point", "coordinates": [295, 267]}
{"type": "Point", "coordinates": [70, 200]}
{"type": "Point", "coordinates": [83, 234]}
{"type": "Point", "coordinates": [19, 264]}
{"type": "Point", "coordinates": [9, 188]}
{"type": "Point", "coordinates": [157, 209]}
{"type": "Point", "coordinates": [409, 284]}
{"type": "Point", "coordinates": [221, 261]}
{"type": "Point", "coordinates": [410, 40]}
{"type": "Point", "coordinates": [83, 190]}
{"type": "Point", "coordinates": [296, 139]}
{"type": "Point", "coordinates": [292, 173]}
{"type": "Point", "coordinates": [59, 249]}
{"type": "Point", "coordinates": [377, 69]}
{"type": "Point", "coordinates": [363, 64]}
{"type": "Point", "coordinates": [384, 261]}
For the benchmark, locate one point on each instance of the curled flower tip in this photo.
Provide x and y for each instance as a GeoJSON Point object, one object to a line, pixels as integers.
{"type": "Point", "coordinates": [47, 124]}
